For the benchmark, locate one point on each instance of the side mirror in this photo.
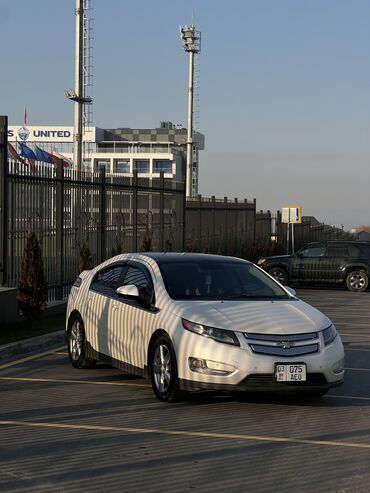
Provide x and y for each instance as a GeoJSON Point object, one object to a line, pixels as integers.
{"type": "Point", "coordinates": [129, 291]}
{"type": "Point", "coordinates": [291, 290]}
{"type": "Point", "coordinates": [145, 297]}
{"type": "Point", "coordinates": [299, 255]}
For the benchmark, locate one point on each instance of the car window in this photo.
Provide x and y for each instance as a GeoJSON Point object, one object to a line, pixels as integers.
{"type": "Point", "coordinates": [136, 277]}
{"type": "Point", "coordinates": [365, 250]}
{"type": "Point", "coordinates": [338, 251]}
{"type": "Point", "coordinates": [218, 280]}
{"type": "Point", "coordinates": [107, 280]}
{"type": "Point", "coordinates": [314, 252]}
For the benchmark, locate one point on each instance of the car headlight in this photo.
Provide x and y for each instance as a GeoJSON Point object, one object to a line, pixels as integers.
{"type": "Point", "coordinates": [261, 261]}
{"type": "Point", "coordinates": [329, 335]}
{"type": "Point", "coordinates": [220, 335]}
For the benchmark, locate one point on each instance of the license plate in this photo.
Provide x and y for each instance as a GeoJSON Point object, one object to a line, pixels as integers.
{"type": "Point", "coordinates": [292, 372]}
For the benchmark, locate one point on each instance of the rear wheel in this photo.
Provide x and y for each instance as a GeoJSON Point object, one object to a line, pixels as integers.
{"type": "Point", "coordinates": [163, 370]}
{"type": "Point", "coordinates": [280, 274]}
{"type": "Point", "coordinates": [357, 280]}
{"type": "Point", "coordinates": [77, 345]}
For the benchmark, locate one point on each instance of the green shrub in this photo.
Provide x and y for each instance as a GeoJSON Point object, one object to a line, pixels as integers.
{"type": "Point", "coordinates": [32, 293]}
{"type": "Point", "coordinates": [146, 245]}
{"type": "Point", "coordinates": [117, 248]}
{"type": "Point", "coordinates": [86, 260]}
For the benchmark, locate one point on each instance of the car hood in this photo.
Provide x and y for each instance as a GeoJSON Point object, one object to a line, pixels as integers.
{"type": "Point", "coordinates": [277, 257]}
{"type": "Point", "coordinates": [262, 317]}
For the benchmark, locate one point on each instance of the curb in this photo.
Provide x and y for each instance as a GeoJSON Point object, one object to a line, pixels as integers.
{"type": "Point", "coordinates": [32, 345]}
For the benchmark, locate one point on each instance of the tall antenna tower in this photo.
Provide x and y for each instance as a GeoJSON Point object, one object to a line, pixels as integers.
{"type": "Point", "coordinates": [83, 80]}
{"type": "Point", "coordinates": [191, 43]}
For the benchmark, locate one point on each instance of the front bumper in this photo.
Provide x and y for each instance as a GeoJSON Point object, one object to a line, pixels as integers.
{"type": "Point", "coordinates": [264, 383]}
{"type": "Point", "coordinates": [255, 372]}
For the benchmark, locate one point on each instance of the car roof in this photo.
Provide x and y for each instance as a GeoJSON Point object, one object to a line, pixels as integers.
{"type": "Point", "coordinates": [176, 257]}
{"type": "Point", "coordinates": [340, 242]}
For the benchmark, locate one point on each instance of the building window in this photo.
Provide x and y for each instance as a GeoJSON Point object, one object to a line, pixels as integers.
{"type": "Point", "coordinates": [164, 165]}
{"type": "Point", "coordinates": [142, 165]}
{"type": "Point", "coordinates": [102, 163]}
{"type": "Point", "coordinates": [122, 166]}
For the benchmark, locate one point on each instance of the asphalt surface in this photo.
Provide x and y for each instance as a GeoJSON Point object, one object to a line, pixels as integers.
{"type": "Point", "coordinates": [66, 430]}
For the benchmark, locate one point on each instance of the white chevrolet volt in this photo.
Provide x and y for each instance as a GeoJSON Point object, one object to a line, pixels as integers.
{"type": "Point", "coordinates": [194, 321]}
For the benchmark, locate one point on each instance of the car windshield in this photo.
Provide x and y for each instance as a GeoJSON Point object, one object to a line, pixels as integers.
{"type": "Point", "coordinates": [218, 280]}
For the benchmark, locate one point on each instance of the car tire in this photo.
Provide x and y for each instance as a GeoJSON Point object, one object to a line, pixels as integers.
{"type": "Point", "coordinates": [280, 274]}
{"type": "Point", "coordinates": [357, 281]}
{"type": "Point", "coordinates": [76, 342]}
{"type": "Point", "coordinates": [163, 370]}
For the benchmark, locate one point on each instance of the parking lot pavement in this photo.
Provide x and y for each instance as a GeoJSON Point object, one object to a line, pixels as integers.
{"type": "Point", "coordinates": [103, 430]}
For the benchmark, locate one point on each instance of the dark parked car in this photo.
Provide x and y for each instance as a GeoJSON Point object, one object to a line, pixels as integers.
{"type": "Point", "coordinates": [340, 262]}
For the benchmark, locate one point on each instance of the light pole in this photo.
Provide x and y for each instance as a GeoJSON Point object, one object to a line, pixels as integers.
{"type": "Point", "coordinates": [77, 94]}
{"type": "Point", "coordinates": [191, 43]}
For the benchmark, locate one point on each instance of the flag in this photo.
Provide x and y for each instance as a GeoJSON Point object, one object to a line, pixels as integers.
{"type": "Point", "coordinates": [42, 155]}
{"type": "Point", "coordinates": [54, 159]}
{"type": "Point", "coordinates": [26, 152]}
{"type": "Point", "coordinates": [66, 162]}
{"type": "Point", "coordinates": [15, 154]}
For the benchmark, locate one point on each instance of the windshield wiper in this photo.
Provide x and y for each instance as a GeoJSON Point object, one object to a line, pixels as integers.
{"type": "Point", "coordinates": [252, 296]}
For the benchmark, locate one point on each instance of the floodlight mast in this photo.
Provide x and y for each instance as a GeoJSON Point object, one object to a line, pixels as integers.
{"type": "Point", "coordinates": [191, 43]}
{"type": "Point", "coordinates": [77, 94]}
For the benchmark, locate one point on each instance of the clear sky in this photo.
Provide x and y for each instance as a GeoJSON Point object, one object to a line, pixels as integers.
{"type": "Point", "coordinates": [284, 88]}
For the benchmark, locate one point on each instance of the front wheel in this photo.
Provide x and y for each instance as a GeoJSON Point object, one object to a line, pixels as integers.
{"type": "Point", "coordinates": [280, 275]}
{"type": "Point", "coordinates": [77, 345]}
{"type": "Point", "coordinates": [357, 280]}
{"type": "Point", "coordinates": [163, 370]}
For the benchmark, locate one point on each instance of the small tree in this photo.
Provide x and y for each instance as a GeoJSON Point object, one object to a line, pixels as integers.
{"type": "Point", "coordinates": [32, 294]}
{"type": "Point", "coordinates": [117, 248]}
{"type": "Point", "coordinates": [86, 261]}
{"type": "Point", "coordinates": [146, 245]}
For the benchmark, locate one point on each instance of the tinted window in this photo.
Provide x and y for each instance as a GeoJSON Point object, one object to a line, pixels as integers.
{"type": "Point", "coordinates": [107, 280]}
{"type": "Point", "coordinates": [338, 251]}
{"type": "Point", "coordinates": [314, 252]}
{"type": "Point", "coordinates": [218, 280]}
{"type": "Point", "coordinates": [137, 277]}
{"type": "Point", "coordinates": [365, 250]}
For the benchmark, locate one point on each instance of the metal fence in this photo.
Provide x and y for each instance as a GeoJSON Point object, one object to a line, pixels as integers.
{"type": "Point", "coordinates": [68, 208]}
{"type": "Point", "coordinates": [224, 226]}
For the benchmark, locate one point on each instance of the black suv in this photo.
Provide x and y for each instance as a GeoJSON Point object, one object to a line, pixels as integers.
{"type": "Point", "coordinates": [324, 262]}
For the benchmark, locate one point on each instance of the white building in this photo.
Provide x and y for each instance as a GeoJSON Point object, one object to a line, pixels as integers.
{"type": "Point", "coordinates": [122, 150]}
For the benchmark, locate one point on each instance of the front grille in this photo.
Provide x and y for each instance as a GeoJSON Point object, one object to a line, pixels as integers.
{"type": "Point", "coordinates": [283, 345]}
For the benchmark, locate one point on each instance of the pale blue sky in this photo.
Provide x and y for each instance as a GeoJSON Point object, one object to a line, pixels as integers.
{"type": "Point", "coordinates": [284, 88]}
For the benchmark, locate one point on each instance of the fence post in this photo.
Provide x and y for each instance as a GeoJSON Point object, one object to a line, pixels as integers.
{"type": "Point", "coordinates": [161, 212]}
{"type": "Point", "coordinates": [226, 236]}
{"type": "Point", "coordinates": [59, 230]}
{"type": "Point", "coordinates": [254, 220]}
{"type": "Point", "coordinates": [200, 222]}
{"type": "Point", "coordinates": [134, 210]}
{"type": "Point", "coordinates": [103, 215]}
{"type": "Point", "coordinates": [213, 224]}
{"type": "Point", "coordinates": [4, 182]}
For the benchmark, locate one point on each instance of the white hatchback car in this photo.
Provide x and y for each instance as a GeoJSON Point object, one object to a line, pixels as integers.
{"type": "Point", "coordinates": [195, 321]}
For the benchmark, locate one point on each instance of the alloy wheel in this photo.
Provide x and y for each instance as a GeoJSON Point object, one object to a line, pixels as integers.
{"type": "Point", "coordinates": [76, 339]}
{"type": "Point", "coordinates": [162, 367]}
{"type": "Point", "coordinates": [357, 281]}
